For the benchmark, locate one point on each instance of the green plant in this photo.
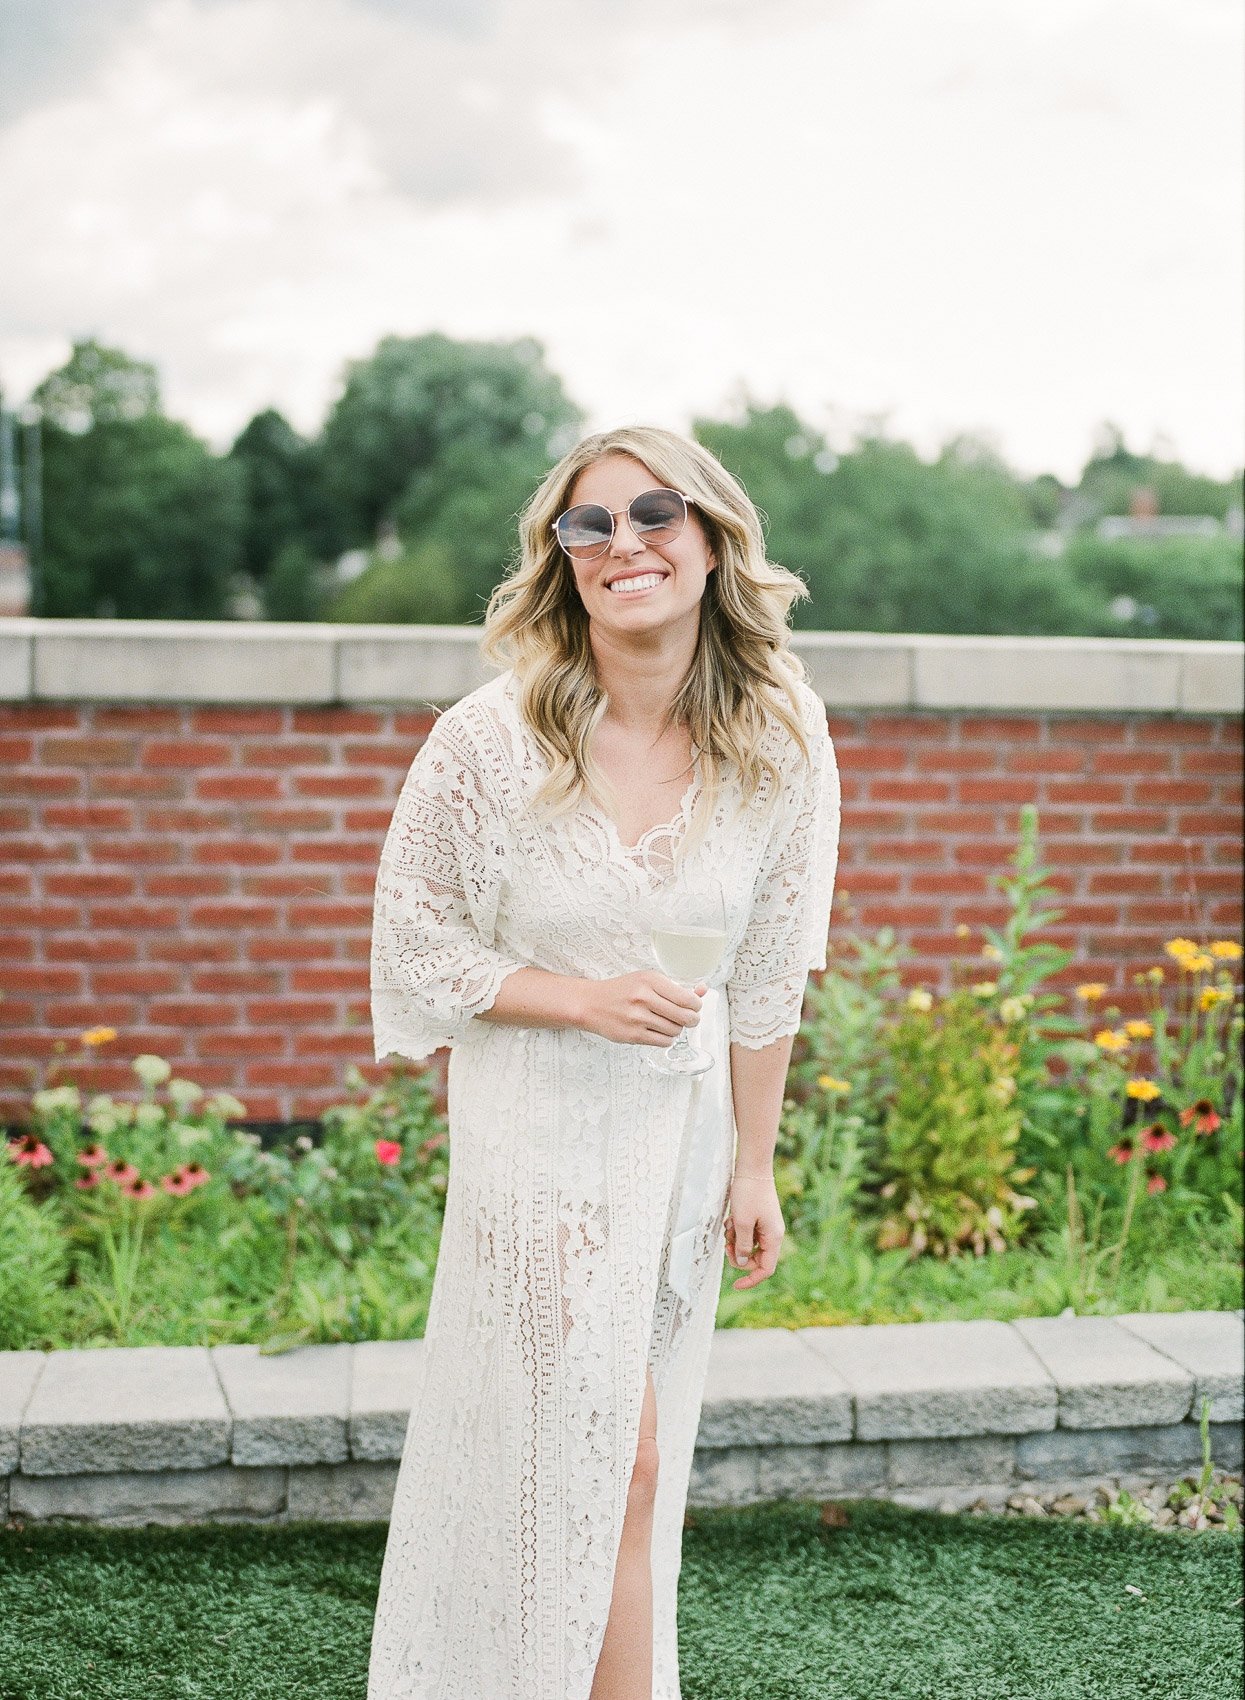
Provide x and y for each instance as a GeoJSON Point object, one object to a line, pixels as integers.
{"type": "Point", "coordinates": [33, 1264]}
{"type": "Point", "coordinates": [950, 1138]}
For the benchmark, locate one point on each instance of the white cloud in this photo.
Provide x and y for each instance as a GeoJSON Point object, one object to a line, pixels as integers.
{"type": "Point", "coordinates": [1015, 217]}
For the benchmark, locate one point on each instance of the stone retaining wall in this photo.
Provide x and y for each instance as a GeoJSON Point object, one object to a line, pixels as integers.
{"type": "Point", "coordinates": [931, 1413]}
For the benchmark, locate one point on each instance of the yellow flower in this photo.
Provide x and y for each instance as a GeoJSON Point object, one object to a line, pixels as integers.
{"type": "Point", "coordinates": [828, 1083]}
{"type": "Point", "coordinates": [1181, 947]}
{"type": "Point", "coordinates": [1110, 1040]}
{"type": "Point", "coordinates": [1156, 974]}
{"type": "Point", "coordinates": [1143, 1089]}
{"type": "Point", "coordinates": [1212, 996]}
{"type": "Point", "coordinates": [99, 1035]}
{"type": "Point", "coordinates": [1013, 1009]}
{"type": "Point", "coordinates": [985, 989]}
{"type": "Point", "coordinates": [1228, 949]}
{"type": "Point", "coordinates": [962, 930]}
{"type": "Point", "coordinates": [1139, 1029]}
{"type": "Point", "coordinates": [1199, 964]}
{"type": "Point", "coordinates": [1091, 992]}
{"type": "Point", "coordinates": [920, 999]}
{"type": "Point", "coordinates": [992, 953]}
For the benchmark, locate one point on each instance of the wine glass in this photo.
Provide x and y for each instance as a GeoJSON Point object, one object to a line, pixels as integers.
{"type": "Point", "coordinates": [686, 920]}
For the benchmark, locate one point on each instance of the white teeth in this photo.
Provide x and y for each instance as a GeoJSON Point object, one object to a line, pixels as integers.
{"type": "Point", "coordinates": [623, 585]}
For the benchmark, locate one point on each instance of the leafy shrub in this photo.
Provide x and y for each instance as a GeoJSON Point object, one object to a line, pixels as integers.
{"type": "Point", "coordinates": [33, 1265]}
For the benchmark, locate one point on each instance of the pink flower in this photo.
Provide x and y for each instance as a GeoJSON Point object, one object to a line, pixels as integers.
{"type": "Point", "coordinates": [388, 1151]}
{"type": "Point", "coordinates": [178, 1183]}
{"type": "Point", "coordinates": [93, 1156]}
{"type": "Point", "coordinates": [29, 1152]}
{"type": "Point", "coordinates": [1156, 1183]}
{"type": "Point", "coordinates": [120, 1171]}
{"type": "Point", "coordinates": [84, 1183]}
{"type": "Point", "coordinates": [1156, 1137]}
{"type": "Point", "coordinates": [194, 1174]}
{"type": "Point", "coordinates": [138, 1188]}
{"type": "Point", "coordinates": [1203, 1115]}
{"type": "Point", "coordinates": [1123, 1152]}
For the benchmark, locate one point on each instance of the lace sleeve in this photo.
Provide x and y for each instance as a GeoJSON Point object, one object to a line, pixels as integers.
{"type": "Point", "coordinates": [786, 933]}
{"type": "Point", "coordinates": [433, 965]}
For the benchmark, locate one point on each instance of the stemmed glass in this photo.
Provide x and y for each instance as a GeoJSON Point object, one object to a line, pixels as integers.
{"type": "Point", "coordinates": [686, 920]}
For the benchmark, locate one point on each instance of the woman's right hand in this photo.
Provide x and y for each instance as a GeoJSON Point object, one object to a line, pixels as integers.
{"type": "Point", "coordinates": [642, 1008]}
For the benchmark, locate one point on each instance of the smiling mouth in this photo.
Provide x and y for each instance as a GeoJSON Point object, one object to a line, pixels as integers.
{"type": "Point", "coordinates": [639, 584]}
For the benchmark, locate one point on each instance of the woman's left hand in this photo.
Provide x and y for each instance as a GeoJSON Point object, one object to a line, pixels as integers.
{"type": "Point", "coordinates": [754, 1228]}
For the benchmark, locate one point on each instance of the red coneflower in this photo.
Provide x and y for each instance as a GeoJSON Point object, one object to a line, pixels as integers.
{"type": "Point", "coordinates": [84, 1183]}
{"type": "Point", "coordinates": [194, 1175]}
{"type": "Point", "coordinates": [178, 1183]}
{"type": "Point", "coordinates": [1155, 1183]}
{"type": "Point", "coordinates": [120, 1171]}
{"type": "Point", "coordinates": [388, 1151]}
{"type": "Point", "coordinates": [1123, 1152]}
{"type": "Point", "coordinates": [29, 1152]}
{"type": "Point", "coordinates": [1156, 1137]}
{"type": "Point", "coordinates": [93, 1156]}
{"type": "Point", "coordinates": [1203, 1115]}
{"type": "Point", "coordinates": [138, 1188]}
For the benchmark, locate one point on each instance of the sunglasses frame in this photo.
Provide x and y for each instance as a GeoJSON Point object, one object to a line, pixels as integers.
{"type": "Point", "coordinates": [688, 504]}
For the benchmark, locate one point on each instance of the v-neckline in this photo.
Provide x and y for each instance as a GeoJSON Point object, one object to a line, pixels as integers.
{"type": "Point", "coordinates": [631, 851]}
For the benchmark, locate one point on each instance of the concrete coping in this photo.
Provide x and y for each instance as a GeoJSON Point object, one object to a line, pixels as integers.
{"type": "Point", "coordinates": [225, 661]}
{"type": "Point", "coordinates": [160, 1408]}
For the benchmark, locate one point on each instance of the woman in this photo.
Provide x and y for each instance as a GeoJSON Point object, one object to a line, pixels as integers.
{"type": "Point", "coordinates": [534, 1544]}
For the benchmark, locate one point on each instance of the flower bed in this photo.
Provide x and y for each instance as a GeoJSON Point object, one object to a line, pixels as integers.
{"type": "Point", "coordinates": [1002, 1150]}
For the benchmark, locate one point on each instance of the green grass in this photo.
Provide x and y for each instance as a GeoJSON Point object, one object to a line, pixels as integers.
{"type": "Point", "coordinates": [910, 1604]}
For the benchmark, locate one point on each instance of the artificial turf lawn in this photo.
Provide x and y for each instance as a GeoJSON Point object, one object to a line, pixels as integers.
{"type": "Point", "coordinates": [775, 1605]}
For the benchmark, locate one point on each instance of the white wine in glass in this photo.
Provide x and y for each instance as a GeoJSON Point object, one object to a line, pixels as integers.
{"type": "Point", "coordinates": [687, 928]}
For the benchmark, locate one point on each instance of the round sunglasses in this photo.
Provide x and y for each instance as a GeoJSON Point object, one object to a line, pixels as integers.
{"type": "Point", "coordinates": [656, 516]}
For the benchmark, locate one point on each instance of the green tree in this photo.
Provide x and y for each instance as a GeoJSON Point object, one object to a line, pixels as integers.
{"type": "Point", "coordinates": [419, 402]}
{"type": "Point", "coordinates": [280, 473]}
{"type": "Point", "coordinates": [141, 520]}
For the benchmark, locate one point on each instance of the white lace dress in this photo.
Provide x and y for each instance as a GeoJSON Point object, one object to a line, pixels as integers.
{"type": "Point", "coordinates": [583, 1236]}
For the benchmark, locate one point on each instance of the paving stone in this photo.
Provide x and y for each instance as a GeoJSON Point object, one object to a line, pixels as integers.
{"type": "Point", "coordinates": [766, 1387]}
{"type": "Point", "coordinates": [387, 1377]}
{"type": "Point", "coordinates": [1106, 1376]}
{"type": "Point", "coordinates": [221, 1494]}
{"type": "Point", "coordinates": [337, 1493]}
{"type": "Point", "coordinates": [125, 1408]}
{"type": "Point", "coordinates": [1105, 1452]}
{"type": "Point", "coordinates": [915, 1380]}
{"type": "Point", "coordinates": [288, 1407]}
{"type": "Point", "coordinates": [950, 1463]}
{"type": "Point", "coordinates": [1209, 1345]}
{"type": "Point", "coordinates": [724, 1475]}
{"type": "Point", "coordinates": [19, 1371]}
{"type": "Point", "coordinates": [812, 1472]}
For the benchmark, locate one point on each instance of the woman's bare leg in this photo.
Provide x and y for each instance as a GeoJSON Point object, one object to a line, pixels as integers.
{"type": "Point", "coordinates": [625, 1668]}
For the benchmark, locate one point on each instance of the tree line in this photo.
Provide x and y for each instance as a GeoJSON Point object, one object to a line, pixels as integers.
{"type": "Point", "coordinates": [403, 508]}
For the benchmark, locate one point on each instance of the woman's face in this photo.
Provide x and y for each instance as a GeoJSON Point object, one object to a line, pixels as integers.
{"type": "Point", "coordinates": [681, 567]}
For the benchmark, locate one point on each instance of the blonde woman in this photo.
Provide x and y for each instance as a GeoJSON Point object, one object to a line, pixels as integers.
{"type": "Point", "coordinates": [650, 714]}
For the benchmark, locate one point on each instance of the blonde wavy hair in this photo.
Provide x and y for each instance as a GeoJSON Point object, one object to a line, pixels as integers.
{"type": "Point", "coordinates": [743, 671]}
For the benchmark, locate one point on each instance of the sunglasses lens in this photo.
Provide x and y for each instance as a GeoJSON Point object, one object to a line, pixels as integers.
{"type": "Point", "coordinates": [658, 515]}
{"type": "Point", "coordinates": [586, 527]}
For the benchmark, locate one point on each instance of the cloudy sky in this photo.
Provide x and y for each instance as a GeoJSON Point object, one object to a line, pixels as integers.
{"type": "Point", "coordinates": [1010, 217]}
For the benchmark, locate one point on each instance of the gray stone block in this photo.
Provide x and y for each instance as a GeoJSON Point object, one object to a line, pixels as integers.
{"type": "Point", "coordinates": [765, 1387]}
{"type": "Point", "coordinates": [950, 1463]}
{"type": "Point", "coordinates": [409, 665]}
{"type": "Point", "coordinates": [1106, 1452]}
{"type": "Point", "coordinates": [338, 1493]}
{"type": "Point", "coordinates": [725, 1475]}
{"type": "Point", "coordinates": [125, 1408]}
{"type": "Point", "coordinates": [17, 653]}
{"type": "Point", "coordinates": [19, 1371]}
{"type": "Point", "coordinates": [917, 1380]}
{"type": "Point", "coordinates": [1227, 1445]}
{"type": "Point", "coordinates": [288, 1407]}
{"type": "Point", "coordinates": [858, 669]}
{"type": "Point", "coordinates": [1212, 680]}
{"type": "Point", "coordinates": [1209, 1345]}
{"type": "Point", "coordinates": [1077, 674]}
{"type": "Point", "coordinates": [128, 1498]}
{"type": "Point", "coordinates": [815, 1472]}
{"type": "Point", "coordinates": [387, 1378]}
{"type": "Point", "coordinates": [185, 661]}
{"type": "Point", "coordinates": [1106, 1376]}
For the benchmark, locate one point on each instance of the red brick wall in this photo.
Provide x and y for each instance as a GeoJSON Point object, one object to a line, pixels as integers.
{"type": "Point", "coordinates": [201, 878]}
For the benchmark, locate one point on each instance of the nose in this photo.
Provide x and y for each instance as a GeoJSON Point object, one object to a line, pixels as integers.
{"type": "Point", "coordinates": [624, 542]}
